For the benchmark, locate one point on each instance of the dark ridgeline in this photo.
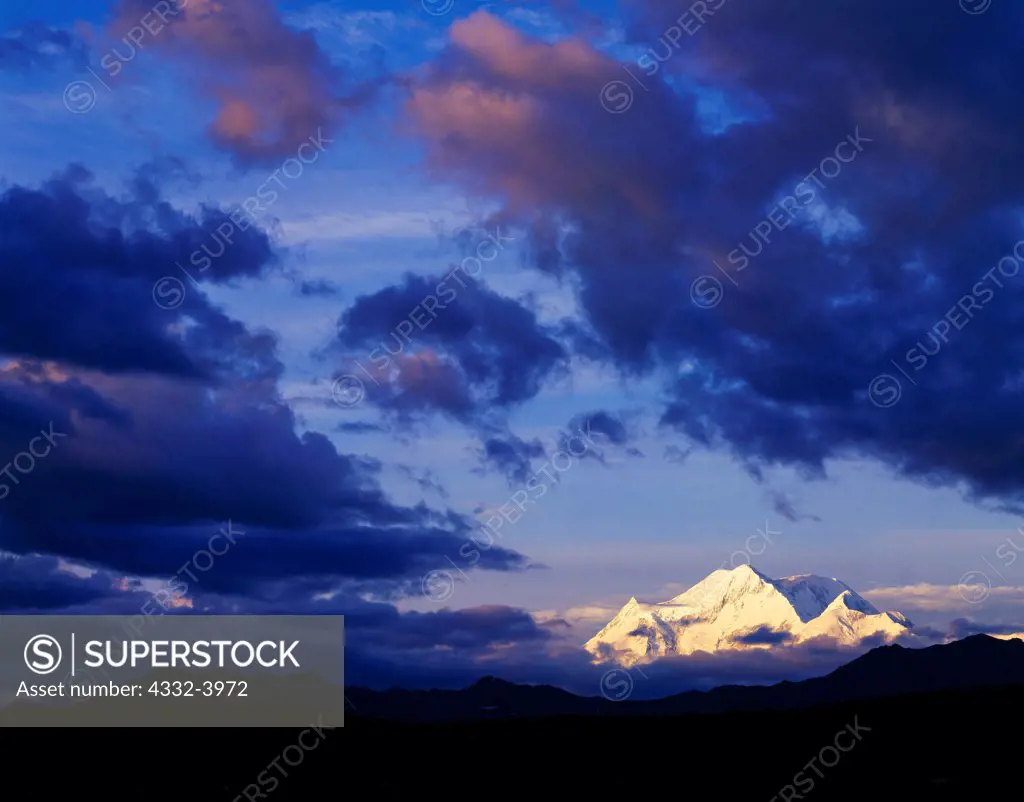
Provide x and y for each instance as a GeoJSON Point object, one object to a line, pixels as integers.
{"type": "Point", "coordinates": [979, 660]}
{"type": "Point", "coordinates": [936, 723]}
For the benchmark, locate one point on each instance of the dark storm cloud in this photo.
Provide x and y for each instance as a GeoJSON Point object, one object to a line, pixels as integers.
{"type": "Point", "coordinates": [510, 455]}
{"type": "Point", "coordinates": [38, 583]}
{"type": "Point", "coordinates": [142, 497]}
{"type": "Point", "coordinates": [764, 635]}
{"type": "Point", "coordinates": [898, 145]}
{"type": "Point", "coordinates": [319, 288]}
{"type": "Point", "coordinates": [452, 345]}
{"type": "Point", "coordinates": [603, 423]}
{"type": "Point", "coordinates": [472, 629]}
{"type": "Point", "coordinates": [676, 454]}
{"type": "Point", "coordinates": [359, 427]}
{"type": "Point", "coordinates": [604, 431]}
{"type": "Point", "coordinates": [784, 506]}
{"type": "Point", "coordinates": [964, 627]}
{"type": "Point", "coordinates": [273, 86]}
{"type": "Point", "coordinates": [165, 423]}
{"type": "Point", "coordinates": [586, 436]}
{"type": "Point", "coordinates": [77, 283]}
{"type": "Point", "coordinates": [424, 478]}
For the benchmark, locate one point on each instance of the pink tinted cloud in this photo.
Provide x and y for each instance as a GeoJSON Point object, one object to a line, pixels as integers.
{"type": "Point", "coordinates": [273, 85]}
{"type": "Point", "coordinates": [522, 120]}
{"type": "Point", "coordinates": [512, 55]}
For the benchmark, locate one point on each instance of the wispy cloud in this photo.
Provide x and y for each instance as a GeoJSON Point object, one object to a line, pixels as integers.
{"type": "Point", "coordinates": [925, 596]}
{"type": "Point", "coordinates": [369, 225]}
{"type": "Point", "coordinates": [354, 29]}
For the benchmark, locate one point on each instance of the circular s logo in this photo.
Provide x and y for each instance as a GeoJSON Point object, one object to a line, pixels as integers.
{"type": "Point", "coordinates": [706, 292]}
{"type": "Point", "coordinates": [616, 685]}
{"type": "Point", "coordinates": [169, 292]}
{"type": "Point", "coordinates": [884, 390]}
{"type": "Point", "coordinates": [43, 654]}
{"type": "Point", "coordinates": [79, 97]}
{"type": "Point", "coordinates": [438, 586]}
{"type": "Point", "coordinates": [616, 97]}
{"type": "Point", "coordinates": [975, 7]}
{"type": "Point", "coordinates": [974, 587]}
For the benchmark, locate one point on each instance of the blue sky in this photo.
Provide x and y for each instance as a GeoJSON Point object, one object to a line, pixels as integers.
{"type": "Point", "coordinates": [388, 196]}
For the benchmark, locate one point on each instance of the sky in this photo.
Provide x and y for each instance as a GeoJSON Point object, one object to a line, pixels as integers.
{"type": "Point", "coordinates": [479, 319]}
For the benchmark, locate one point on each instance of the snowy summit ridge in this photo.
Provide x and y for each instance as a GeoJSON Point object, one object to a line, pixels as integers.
{"type": "Point", "coordinates": [743, 609]}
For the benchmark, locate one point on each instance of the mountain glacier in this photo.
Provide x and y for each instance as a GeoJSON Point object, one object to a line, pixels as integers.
{"type": "Point", "coordinates": [743, 609]}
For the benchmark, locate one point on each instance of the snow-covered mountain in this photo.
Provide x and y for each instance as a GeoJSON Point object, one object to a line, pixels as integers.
{"type": "Point", "coordinates": [744, 609]}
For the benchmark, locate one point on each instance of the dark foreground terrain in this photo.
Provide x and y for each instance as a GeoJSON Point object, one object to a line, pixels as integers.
{"type": "Point", "coordinates": [958, 740]}
{"type": "Point", "coordinates": [960, 745]}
